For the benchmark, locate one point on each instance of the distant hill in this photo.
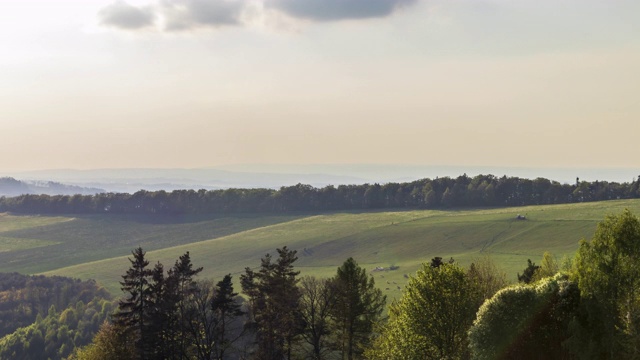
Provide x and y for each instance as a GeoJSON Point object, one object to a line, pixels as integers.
{"type": "Point", "coordinates": [12, 187]}
{"type": "Point", "coordinates": [132, 180]}
{"type": "Point", "coordinates": [275, 176]}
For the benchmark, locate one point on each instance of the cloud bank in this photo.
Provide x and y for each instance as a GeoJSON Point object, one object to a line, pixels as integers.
{"type": "Point", "coordinates": [333, 10]}
{"type": "Point", "coordinates": [184, 15]}
{"type": "Point", "coordinates": [190, 14]}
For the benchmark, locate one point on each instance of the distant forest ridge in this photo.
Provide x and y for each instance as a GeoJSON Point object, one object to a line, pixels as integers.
{"type": "Point", "coordinates": [439, 193]}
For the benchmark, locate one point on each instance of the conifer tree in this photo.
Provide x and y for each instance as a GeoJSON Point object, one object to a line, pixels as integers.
{"type": "Point", "coordinates": [226, 311]}
{"type": "Point", "coordinates": [181, 276]}
{"type": "Point", "coordinates": [134, 309]}
{"type": "Point", "coordinates": [163, 316]}
{"type": "Point", "coordinates": [274, 299]}
{"type": "Point", "coordinates": [358, 306]}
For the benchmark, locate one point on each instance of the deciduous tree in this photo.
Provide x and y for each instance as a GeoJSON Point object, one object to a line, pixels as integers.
{"type": "Point", "coordinates": [431, 319]}
{"type": "Point", "coordinates": [526, 321]}
{"type": "Point", "coordinates": [548, 267]}
{"type": "Point", "coordinates": [608, 275]}
{"type": "Point", "coordinates": [318, 297]}
{"type": "Point", "coordinates": [487, 276]}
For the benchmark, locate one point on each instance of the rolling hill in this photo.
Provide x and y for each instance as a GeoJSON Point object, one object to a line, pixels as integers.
{"type": "Point", "coordinates": [97, 246]}
{"type": "Point", "coordinates": [12, 187]}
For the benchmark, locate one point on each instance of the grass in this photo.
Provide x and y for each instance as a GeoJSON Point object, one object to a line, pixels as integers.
{"type": "Point", "coordinates": [90, 238]}
{"type": "Point", "coordinates": [9, 223]}
{"type": "Point", "coordinates": [12, 222]}
{"type": "Point", "coordinates": [12, 244]}
{"type": "Point", "coordinates": [98, 247]}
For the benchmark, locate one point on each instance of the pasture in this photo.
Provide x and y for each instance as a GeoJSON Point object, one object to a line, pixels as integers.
{"type": "Point", "coordinates": [98, 246]}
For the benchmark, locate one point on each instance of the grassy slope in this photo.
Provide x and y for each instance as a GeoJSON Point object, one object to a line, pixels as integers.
{"type": "Point", "coordinates": [9, 223]}
{"type": "Point", "coordinates": [405, 238]}
{"type": "Point", "coordinates": [89, 238]}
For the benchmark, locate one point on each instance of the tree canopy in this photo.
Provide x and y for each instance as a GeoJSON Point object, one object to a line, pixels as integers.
{"type": "Point", "coordinates": [431, 319]}
{"type": "Point", "coordinates": [608, 274]}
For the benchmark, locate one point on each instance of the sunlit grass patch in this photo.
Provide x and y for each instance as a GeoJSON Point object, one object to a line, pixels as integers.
{"type": "Point", "coordinates": [12, 244]}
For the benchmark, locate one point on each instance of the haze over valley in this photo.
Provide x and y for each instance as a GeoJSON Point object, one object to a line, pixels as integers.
{"type": "Point", "coordinates": [91, 181]}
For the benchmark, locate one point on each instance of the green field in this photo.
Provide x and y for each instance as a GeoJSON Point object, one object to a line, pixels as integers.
{"type": "Point", "coordinates": [97, 246]}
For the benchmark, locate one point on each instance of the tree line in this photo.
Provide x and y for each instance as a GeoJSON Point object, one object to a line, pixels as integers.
{"type": "Point", "coordinates": [445, 192]}
{"type": "Point", "coordinates": [171, 315]}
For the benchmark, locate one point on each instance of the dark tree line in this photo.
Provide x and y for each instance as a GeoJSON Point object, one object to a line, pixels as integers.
{"type": "Point", "coordinates": [170, 315]}
{"type": "Point", "coordinates": [315, 318]}
{"type": "Point", "coordinates": [445, 192]}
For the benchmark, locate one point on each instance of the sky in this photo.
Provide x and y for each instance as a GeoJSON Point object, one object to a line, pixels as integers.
{"type": "Point", "coordinates": [203, 83]}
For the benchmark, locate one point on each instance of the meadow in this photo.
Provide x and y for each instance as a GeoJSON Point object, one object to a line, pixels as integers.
{"type": "Point", "coordinates": [97, 246]}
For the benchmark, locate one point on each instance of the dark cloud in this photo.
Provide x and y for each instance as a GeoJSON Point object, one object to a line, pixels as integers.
{"type": "Point", "coordinates": [190, 14]}
{"type": "Point", "coordinates": [124, 16]}
{"type": "Point", "coordinates": [185, 15]}
{"type": "Point", "coordinates": [331, 10]}
{"type": "Point", "coordinates": [177, 15]}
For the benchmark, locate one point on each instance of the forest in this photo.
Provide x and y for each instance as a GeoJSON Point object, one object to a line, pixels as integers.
{"type": "Point", "coordinates": [585, 307]}
{"type": "Point", "coordinates": [445, 192]}
{"type": "Point", "coordinates": [48, 317]}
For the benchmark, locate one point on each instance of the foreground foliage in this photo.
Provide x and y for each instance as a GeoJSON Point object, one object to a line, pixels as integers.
{"type": "Point", "coordinates": [358, 306]}
{"type": "Point", "coordinates": [273, 303]}
{"type": "Point", "coordinates": [167, 315]}
{"type": "Point", "coordinates": [608, 274]}
{"type": "Point", "coordinates": [526, 321]}
{"type": "Point", "coordinates": [590, 310]}
{"type": "Point", "coordinates": [431, 319]}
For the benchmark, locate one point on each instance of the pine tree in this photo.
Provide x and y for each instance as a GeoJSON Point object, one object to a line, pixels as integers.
{"type": "Point", "coordinates": [274, 299]}
{"type": "Point", "coordinates": [134, 309]}
{"type": "Point", "coordinates": [359, 305]}
{"type": "Point", "coordinates": [226, 311]}
{"type": "Point", "coordinates": [163, 317]}
{"type": "Point", "coordinates": [181, 276]}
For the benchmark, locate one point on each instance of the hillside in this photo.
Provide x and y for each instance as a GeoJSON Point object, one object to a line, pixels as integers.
{"type": "Point", "coordinates": [12, 187]}
{"type": "Point", "coordinates": [274, 176]}
{"type": "Point", "coordinates": [323, 241]}
{"type": "Point", "coordinates": [33, 244]}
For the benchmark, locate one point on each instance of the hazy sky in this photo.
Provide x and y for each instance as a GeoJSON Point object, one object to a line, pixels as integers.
{"type": "Point", "coordinates": [191, 83]}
